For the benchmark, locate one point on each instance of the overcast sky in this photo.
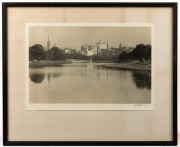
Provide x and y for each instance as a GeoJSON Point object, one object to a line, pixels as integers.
{"type": "Point", "coordinates": [76, 36]}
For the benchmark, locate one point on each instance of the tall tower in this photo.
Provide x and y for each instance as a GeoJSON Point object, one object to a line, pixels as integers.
{"type": "Point", "coordinates": [48, 44]}
{"type": "Point", "coordinates": [45, 47]}
{"type": "Point", "coordinates": [120, 46]}
{"type": "Point", "coordinates": [107, 45]}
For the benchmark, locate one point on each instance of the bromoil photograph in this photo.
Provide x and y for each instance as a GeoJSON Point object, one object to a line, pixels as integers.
{"type": "Point", "coordinates": [89, 67]}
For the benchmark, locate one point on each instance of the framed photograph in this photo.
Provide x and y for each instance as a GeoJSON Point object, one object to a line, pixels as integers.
{"type": "Point", "coordinates": [89, 74]}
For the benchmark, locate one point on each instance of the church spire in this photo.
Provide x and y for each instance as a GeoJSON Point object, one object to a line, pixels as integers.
{"type": "Point", "coordinates": [48, 43]}
{"type": "Point", "coordinates": [107, 45]}
{"type": "Point", "coordinates": [120, 46]}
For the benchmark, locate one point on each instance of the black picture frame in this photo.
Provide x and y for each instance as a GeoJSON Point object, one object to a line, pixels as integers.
{"type": "Point", "coordinates": [6, 142]}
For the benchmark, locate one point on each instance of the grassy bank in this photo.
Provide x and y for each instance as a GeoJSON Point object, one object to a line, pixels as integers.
{"type": "Point", "coordinates": [105, 61]}
{"type": "Point", "coordinates": [48, 63]}
{"type": "Point", "coordinates": [133, 65]}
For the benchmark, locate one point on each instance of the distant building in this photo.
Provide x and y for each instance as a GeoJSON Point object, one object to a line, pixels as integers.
{"type": "Point", "coordinates": [48, 44]}
{"type": "Point", "coordinates": [120, 46]}
{"type": "Point", "coordinates": [95, 50]}
{"type": "Point", "coordinates": [107, 45]}
{"type": "Point", "coordinates": [73, 51]}
{"type": "Point", "coordinates": [67, 51]}
{"type": "Point", "coordinates": [76, 48]}
{"type": "Point", "coordinates": [118, 51]}
{"type": "Point", "coordinates": [44, 47]}
{"type": "Point", "coordinates": [87, 50]}
{"type": "Point", "coordinates": [84, 50]}
{"type": "Point", "coordinates": [90, 50]}
{"type": "Point", "coordinates": [101, 46]}
{"type": "Point", "coordinates": [127, 49]}
{"type": "Point", "coordinates": [78, 51]}
{"type": "Point", "coordinates": [115, 51]}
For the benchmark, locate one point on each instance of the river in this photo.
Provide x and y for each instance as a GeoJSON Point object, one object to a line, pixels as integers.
{"type": "Point", "coordinates": [91, 83]}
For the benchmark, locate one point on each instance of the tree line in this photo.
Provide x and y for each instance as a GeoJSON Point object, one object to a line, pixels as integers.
{"type": "Point", "coordinates": [141, 52]}
{"type": "Point", "coordinates": [37, 52]}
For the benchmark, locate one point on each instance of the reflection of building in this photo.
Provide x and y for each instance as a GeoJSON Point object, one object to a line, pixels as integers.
{"type": "Point", "coordinates": [97, 73]}
{"type": "Point", "coordinates": [90, 73]}
{"type": "Point", "coordinates": [90, 67]}
{"type": "Point", "coordinates": [48, 44]}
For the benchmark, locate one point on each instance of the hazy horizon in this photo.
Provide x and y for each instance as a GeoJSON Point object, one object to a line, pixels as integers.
{"type": "Point", "coordinates": [75, 36]}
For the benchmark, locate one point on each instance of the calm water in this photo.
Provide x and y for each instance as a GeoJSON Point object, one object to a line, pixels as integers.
{"type": "Point", "coordinates": [88, 83]}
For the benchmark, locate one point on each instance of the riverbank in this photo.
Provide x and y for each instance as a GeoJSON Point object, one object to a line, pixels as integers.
{"type": "Point", "coordinates": [134, 65]}
{"type": "Point", "coordinates": [93, 61]}
{"type": "Point", "coordinates": [48, 63]}
{"type": "Point", "coordinates": [105, 61]}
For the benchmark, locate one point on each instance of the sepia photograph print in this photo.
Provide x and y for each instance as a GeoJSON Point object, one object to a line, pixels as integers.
{"type": "Point", "coordinates": [89, 66]}
{"type": "Point", "coordinates": [89, 74]}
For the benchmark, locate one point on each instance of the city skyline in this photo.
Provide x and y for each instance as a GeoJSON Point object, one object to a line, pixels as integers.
{"type": "Point", "coordinates": [76, 36]}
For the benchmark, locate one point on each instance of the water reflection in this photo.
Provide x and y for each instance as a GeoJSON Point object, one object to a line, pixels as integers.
{"type": "Point", "coordinates": [90, 67]}
{"type": "Point", "coordinates": [102, 76]}
{"type": "Point", "coordinates": [37, 77]}
{"type": "Point", "coordinates": [97, 72]}
{"type": "Point", "coordinates": [142, 79]}
{"type": "Point", "coordinates": [53, 75]}
{"type": "Point", "coordinates": [89, 83]}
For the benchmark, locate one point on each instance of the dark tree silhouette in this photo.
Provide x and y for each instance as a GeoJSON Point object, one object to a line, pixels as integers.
{"type": "Point", "coordinates": [141, 52]}
{"type": "Point", "coordinates": [124, 56]}
{"type": "Point", "coordinates": [148, 52]}
{"type": "Point", "coordinates": [36, 52]}
{"type": "Point", "coordinates": [55, 54]}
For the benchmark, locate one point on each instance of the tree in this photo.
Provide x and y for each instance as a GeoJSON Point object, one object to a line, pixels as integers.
{"type": "Point", "coordinates": [36, 52]}
{"type": "Point", "coordinates": [139, 52]}
{"type": "Point", "coordinates": [148, 52]}
{"type": "Point", "coordinates": [30, 57]}
{"type": "Point", "coordinates": [124, 56]}
{"type": "Point", "coordinates": [56, 54]}
{"type": "Point", "coordinates": [142, 52]}
{"type": "Point", "coordinates": [48, 55]}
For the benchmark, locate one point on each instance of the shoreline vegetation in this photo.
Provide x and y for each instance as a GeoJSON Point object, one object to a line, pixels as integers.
{"type": "Point", "coordinates": [138, 58]}
{"type": "Point", "coordinates": [130, 65]}
{"type": "Point", "coordinates": [48, 63]}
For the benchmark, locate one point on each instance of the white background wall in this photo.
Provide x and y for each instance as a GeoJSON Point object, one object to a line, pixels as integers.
{"type": "Point", "coordinates": [78, 1]}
